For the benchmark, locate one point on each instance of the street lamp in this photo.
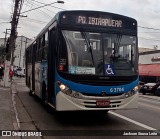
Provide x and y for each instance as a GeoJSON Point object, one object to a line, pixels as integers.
{"type": "Point", "coordinates": [58, 1]}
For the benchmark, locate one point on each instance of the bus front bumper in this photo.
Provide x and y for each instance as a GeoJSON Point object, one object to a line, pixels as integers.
{"type": "Point", "coordinates": [68, 103]}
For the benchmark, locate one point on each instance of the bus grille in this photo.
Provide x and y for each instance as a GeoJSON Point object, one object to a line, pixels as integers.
{"type": "Point", "coordinates": [91, 101]}
{"type": "Point", "coordinates": [93, 105]}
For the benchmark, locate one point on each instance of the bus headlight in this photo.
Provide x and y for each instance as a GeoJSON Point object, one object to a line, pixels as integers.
{"type": "Point", "coordinates": [68, 91]}
{"type": "Point", "coordinates": [136, 88]}
{"type": "Point", "coordinates": [62, 87]}
{"type": "Point", "coordinates": [132, 92]}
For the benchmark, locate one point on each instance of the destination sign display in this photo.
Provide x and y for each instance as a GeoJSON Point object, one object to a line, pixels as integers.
{"type": "Point", "coordinates": [99, 21]}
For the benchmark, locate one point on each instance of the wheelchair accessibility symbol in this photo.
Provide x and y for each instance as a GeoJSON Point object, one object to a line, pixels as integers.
{"type": "Point", "coordinates": [109, 69]}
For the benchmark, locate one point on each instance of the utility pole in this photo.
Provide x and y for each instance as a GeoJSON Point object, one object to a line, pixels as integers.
{"type": "Point", "coordinates": [20, 52]}
{"type": "Point", "coordinates": [5, 44]}
{"type": "Point", "coordinates": [14, 23]}
{"type": "Point", "coordinates": [13, 35]}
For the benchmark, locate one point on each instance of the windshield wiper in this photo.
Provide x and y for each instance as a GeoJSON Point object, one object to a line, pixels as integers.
{"type": "Point", "coordinates": [89, 47]}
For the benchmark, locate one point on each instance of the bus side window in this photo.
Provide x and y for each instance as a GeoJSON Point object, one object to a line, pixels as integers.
{"type": "Point", "coordinates": [40, 49]}
{"type": "Point", "coordinates": [45, 48]}
{"type": "Point", "coordinates": [36, 49]}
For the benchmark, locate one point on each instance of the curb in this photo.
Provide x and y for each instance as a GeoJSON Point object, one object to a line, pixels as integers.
{"type": "Point", "coordinates": [12, 94]}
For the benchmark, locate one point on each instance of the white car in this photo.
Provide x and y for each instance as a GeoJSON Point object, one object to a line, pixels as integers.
{"type": "Point", "coordinates": [20, 73]}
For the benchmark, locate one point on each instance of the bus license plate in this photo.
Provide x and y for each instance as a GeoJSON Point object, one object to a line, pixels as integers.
{"type": "Point", "coordinates": [102, 103]}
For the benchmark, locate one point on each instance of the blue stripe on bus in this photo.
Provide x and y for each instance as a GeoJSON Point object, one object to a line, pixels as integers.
{"type": "Point", "coordinates": [96, 89]}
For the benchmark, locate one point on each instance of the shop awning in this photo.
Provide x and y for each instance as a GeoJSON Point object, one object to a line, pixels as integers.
{"type": "Point", "coordinates": [149, 70]}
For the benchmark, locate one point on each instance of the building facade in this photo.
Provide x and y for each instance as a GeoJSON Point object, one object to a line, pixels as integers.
{"type": "Point", "coordinates": [19, 52]}
{"type": "Point", "coordinates": [1, 42]}
{"type": "Point", "coordinates": [149, 66]}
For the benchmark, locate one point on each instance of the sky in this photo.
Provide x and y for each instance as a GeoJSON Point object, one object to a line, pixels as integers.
{"type": "Point", "coordinates": [146, 12]}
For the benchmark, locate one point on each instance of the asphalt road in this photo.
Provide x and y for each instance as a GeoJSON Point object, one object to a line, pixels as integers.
{"type": "Point", "coordinates": [32, 115]}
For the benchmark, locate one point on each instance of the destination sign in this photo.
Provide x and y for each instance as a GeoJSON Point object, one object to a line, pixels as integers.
{"type": "Point", "coordinates": [99, 21]}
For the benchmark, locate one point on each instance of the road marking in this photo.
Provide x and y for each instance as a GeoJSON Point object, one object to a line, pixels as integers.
{"type": "Point", "coordinates": [132, 121]}
{"type": "Point", "coordinates": [4, 88]}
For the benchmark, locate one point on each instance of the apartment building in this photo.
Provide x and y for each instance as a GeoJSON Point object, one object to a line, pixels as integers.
{"type": "Point", "coordinates": [19, 52]}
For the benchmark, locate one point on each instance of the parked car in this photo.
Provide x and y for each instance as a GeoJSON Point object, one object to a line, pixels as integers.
{"type": "Point", "coordinates": [20, 72]}
{"type": "Point", "coordinates": [149, 88]}
{"type": "Point", "coordinates": [158, 91]}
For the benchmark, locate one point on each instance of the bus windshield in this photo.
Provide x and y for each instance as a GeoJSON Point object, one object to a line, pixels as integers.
{"type": "Point", "coordinates": [101, 54]}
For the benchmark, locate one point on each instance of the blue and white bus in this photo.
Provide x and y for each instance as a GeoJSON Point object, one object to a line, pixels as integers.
{"type": "Point", "coordinates": [85, 60]}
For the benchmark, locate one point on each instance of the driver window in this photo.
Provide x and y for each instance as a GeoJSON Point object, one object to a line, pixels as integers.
{"type": "Point", "coordinates": [107, 50]}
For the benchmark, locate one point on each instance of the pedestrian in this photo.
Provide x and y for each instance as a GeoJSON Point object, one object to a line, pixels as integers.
{"type": "Point", "coordinates": [11, 74]}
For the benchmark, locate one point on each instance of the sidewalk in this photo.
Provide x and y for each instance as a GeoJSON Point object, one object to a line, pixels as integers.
{"type": "Point", "coordinates": [2, 84]}
{"type": "Point", "coordinates": [7, 117]}
{"type": "Point", "coordinates": [13, 116]}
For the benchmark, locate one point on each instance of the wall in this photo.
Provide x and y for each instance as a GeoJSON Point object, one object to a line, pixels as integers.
{"type": "Point", "coordinates": [151, 57]}
{"type": "Point", "coordinates": [1, 42]}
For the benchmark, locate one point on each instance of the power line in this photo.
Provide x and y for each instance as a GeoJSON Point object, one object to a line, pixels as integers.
{"type": "Point", "coordinates": [40, 11]}
{"type": "Point", "coordinates": [38, 2]}
{"type": "Point", "coordinates": [26, 4]}
{"type": "Point", "coordinates": [148, 28]}
{"type": "Point", "coordinates": [39, 5]}
{"type": "Point", "coordinates": [149, 38]}
{"type": "Point", "coordinates": [42, 6]}
{"type": "Point", "coordinates": [57, 7]}
{"type": "Point", "coordinates": [50, 5]}
{"type": "Point", "coordinates": [4, 22]}
{"type": "Point", "coordinates": [4, 18]}
{"type": "Point", "coordinates": [33, 20]}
